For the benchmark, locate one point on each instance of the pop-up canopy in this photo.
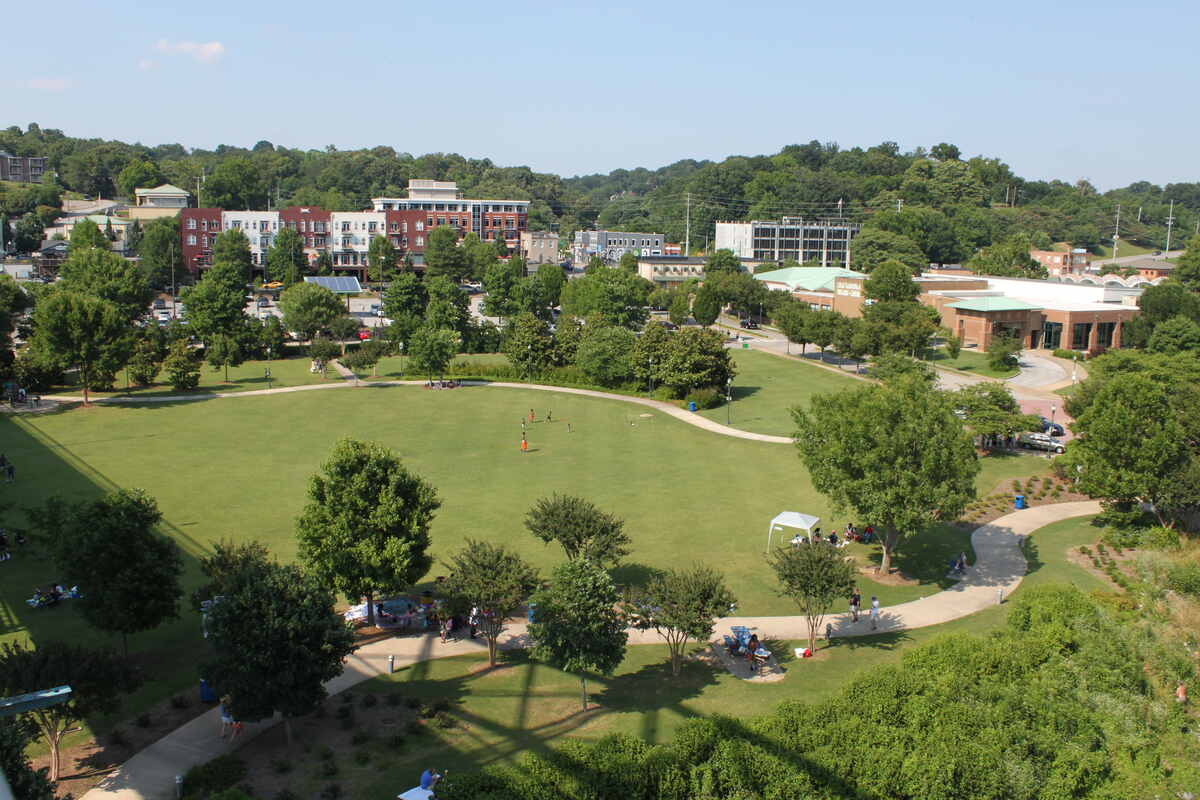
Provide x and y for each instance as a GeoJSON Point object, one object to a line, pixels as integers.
{"type": "Point", "coordinates": [791, 519]}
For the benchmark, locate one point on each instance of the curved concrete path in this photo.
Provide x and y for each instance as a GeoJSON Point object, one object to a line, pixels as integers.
{"type": "Point", "coordinates": [1037, 371]}
{"type": "Point", "coordinates": [998, 569]}
{"type": "Point", "coordinates": [351, 382]}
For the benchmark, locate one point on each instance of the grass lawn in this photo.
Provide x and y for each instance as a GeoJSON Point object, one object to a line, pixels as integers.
{"type": "Point", "coordinates": [766, 388]}
{"type": "Point", "coordinates": [524, 706]}
{"type": "Point", "coordinates": [1126, 249]}
{"type": "Point", "coordinates": [970, 361]}
{"type": "Point", "coordinates": [247, 376]}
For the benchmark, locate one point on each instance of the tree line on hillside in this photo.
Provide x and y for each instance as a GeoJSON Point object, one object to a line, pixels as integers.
{"type": "Point", "coordinates": [950, 207]}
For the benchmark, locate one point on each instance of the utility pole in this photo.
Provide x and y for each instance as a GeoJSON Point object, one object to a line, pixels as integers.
{"type": "Point", "coordinates": [1170, 222]}
{"type": "Point", "coordinates": [687, 236]}
{"type": "Point", "coordinates": [899, 203]}
{"type": "Point", "coordinates": [1139, 215]}
{"type": "Point", "coordinates": [1117, 234]}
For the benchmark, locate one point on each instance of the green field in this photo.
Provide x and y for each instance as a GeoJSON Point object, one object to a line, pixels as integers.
{"type": "Point", "coordinates": [1126, 249]}
{"type": "Point", "coordinates": [970, 361]}
{"type": "Point", "coordinates": [525, 706]}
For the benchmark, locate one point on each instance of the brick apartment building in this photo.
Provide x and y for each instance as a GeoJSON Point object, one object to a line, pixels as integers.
{"type": "Point", "coordinates": [347, 235]}
{"type": "Point", "coordinates": [1062, 262]}
{"type": "Point", "coordinates": [21, 169]}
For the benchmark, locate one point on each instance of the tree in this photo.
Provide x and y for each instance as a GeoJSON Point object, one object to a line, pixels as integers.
{"type": "Point", "coordinates": [679, 308]}
{"type": "Point", "coordinates": [343, 328]}
{"type": "Point", "coordinates": [792, 319]}
{"type": "Point", "coordinates": [27, 234]}
{"type": "Point", "coordinates": [232, 247]}
{"type": "Point", "coordinates": [617, 295]}
{"type": "Point", "coordinates": [606, 355]}
{"type": "Point", "coordinates": [500, 282]}
{"type": "Point", "coordinates": [97, 679]}
{"type": "Point", "coordinates": [146, 361]}
{"type": "Point", "coordinates": [286, 261]}
{"type": "Point", "coordinates": [479, 254]}
{"type": "Point", "coordinates": [161, 258]}
{"type": "Point", "coordinates": [322, 350]}
{"type": "Point", "coordinates": [1177, 334]}
{"type": "Point", "coordinates": [1159, 304]}
{"type": "Point", "coordinates": [216, 305]}
{"type": "Point", "coordinates": [583, 531]}
{"type": "Point", "coordinates": [222, 350]}
{"type": "Point", "coordinates": [650, 354]}
{"type": "Point", "coordinates": [432, 349]}
{"type": "Point", "coordinates": [890, 367]}
{"type": "Point", "coordinates": [696, 359]}
{"type": "Point", "coordinates": [24, 781]}
{"type": "Point", "coordinates": [222, 565]}
{"type": "Point", "coordinates": [815, 576]}
{"type": "Point", "coordinates": [989, 410]}
{"type": "Point", "coordinates": [1133, 450]}
{"type": "Point", "coordinates": [529, 346]}
{"type": "Point", "coordinates": [127, 573]}
{"type": "Point", "coordinates": [550, 281]}
{"type": "Point", "coordinates": [308, 308]}
{"type": "Point", "coordinates": [449, 305]}
{"type": "Point", "coordinates": [276, 641]}
{"type": "Point", "coordinates": [1187, 267]}
{"type": "Point", "coordinates": [365, 529]}
{"type": "Point", "coordinates": [953, 346]}
{"type": "Point", "coordinates": [133, 236]}
{"type": "Point", "coordinates": [138, 174]}
{"type": "Point", "coordinates": [577, 627]}
{"type": "Point", "coordinates": [324, 263]}
{"type": "Point", "coordinates": [367, 356]}
{"type": "Point", "coordinates": [235, 183]}
{"type": "Point", "coordinates": [87, 234]}
{"type": "Point", "coordinates": [382, 258]}
{"type": "Point", "coordinates": [1009, 258]}
{"type": "Point", "coordinates": [406, 294]}
{"type": "Point", "coordinates": [722, 261]}
{"type": "Point", "coordinates": [680, 605]}
{"type": "Point", "coordinates": [1003, 352]}
{"type": "Point", "coordinates": [891, 281]}
{"type": "Point", "coordinates": [84, 332]}
{"type": "Point", "coordinates": [492, 579]}
{"type": "Point", "coordinates": [873, 247]}
{"type": "Point", "coordinates": [706, 307]}
{"type": "Point", "coordinates": [5, 233]}
{"type": "Point", "coordinates": [443, 256]}
{"type": "Point", "coordinates": [893, 454]}
{"type": "Point", "coordinates": [181, 366]}
{"type": "Point", "coordinates": [103, 274]}
{"type": "Point", "coordinates": [628, 261]}
{"type": "Point", "coordinates": [500, 245]}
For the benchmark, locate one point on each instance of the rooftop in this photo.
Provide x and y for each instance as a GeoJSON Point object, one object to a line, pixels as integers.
{"type": "Point", "coordinates": [993, 304]}
{"type": "Point", "coordinates": [166, 190]}
{"type": "Point", "coordinates": [810, 279]}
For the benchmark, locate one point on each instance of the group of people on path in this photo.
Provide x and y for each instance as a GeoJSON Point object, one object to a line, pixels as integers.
{"type": "Point", "coordinates": [855, 606]}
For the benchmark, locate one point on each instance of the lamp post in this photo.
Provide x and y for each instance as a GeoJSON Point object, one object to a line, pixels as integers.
{"type": "Point", "coordinates": [402, 359]}
{"type": "Point", "coordinates": [267, 375]}
{"type": "Point", "coordinates": [1052, 410]}
{"type": "Point", "coordinates": [651, 374]}
{"type": "Point", "coordinates": [1074, 368]}
{"type": "Point", "coordinates": [728, 401]}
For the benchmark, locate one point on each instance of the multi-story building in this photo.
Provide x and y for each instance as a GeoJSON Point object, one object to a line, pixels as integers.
{"type": "Point", "coordinates": [443, 204]}
{"type": "Point", "coordinates": [539, 247]}
{"type": "Point", "coordinates": [161, 201]}
{"type": "Point", "coordinates": [22, 169]}
{"type": "Point", "coordinates": [611, 245]}
{"type": "Point", "coordinates": [807, 241]}
{"type": "Point", "coordinates": [1061, 262]}
{"type": "Point", "coordinates": [347, 235]}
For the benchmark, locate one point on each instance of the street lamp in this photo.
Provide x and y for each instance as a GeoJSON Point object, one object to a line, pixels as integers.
{"type": "Point", "coordinates": [267, 375]}
{"type": "Point", "coordinates": [1074, 368]}
{"type": "Point", "coordinates": [402, 359]}
{"type": "Point", "coordinates": [728, 401]}
{"type": "Point", "coordinates": [1052, 410]}
{"type": "Point", "coordinates": [651, 374]}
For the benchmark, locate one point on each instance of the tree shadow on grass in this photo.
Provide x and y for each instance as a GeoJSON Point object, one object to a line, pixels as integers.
{"type": "Point", "coordinates": [925, 557]}
{"type": "Point", "coordinates": [631, 575]}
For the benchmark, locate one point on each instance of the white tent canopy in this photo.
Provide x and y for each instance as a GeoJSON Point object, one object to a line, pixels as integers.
{"type": "Point", "coordinates": [791, 519]}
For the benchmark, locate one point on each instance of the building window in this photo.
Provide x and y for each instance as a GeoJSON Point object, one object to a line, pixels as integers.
{"type": "Point", "coordinates": [420, 225]}
{"type": "Point", "coordinates": [420, 241]}
{"type": "Point", "coordinates": [371, 227]}
{"type": "Point", "coordinates": [1104, 333]}
{"type": "Point", "coordinates": [345, 226]}
{"type": "Point", "coordinates": [1052, 335]}
{"type": "Point", "coordinates": [1081, 332]}
{"type": "Point", "coordinates": [192, 239]}
{"type": "Point", "coordinates": [429, 221]}
{"type": "Point", "coordinates": [191, 224]}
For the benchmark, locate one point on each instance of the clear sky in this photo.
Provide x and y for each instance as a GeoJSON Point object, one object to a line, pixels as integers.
{"type": "Point", "coordinates": [1066, 90]}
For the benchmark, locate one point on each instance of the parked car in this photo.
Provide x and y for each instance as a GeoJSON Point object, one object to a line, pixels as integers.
{"type": "Point", "coordinates": [749, 324]}
{"type": "Point", "coordinates": [671, 326]}
{"type": "Point", "coordinates": [263, 302]}
{"type": "Point", "coordinates": [1040, 441]}
{"type": "Point", "coordinates": [1052, 428]}
{"type": "Point", "coordinates": [364, 334]}
{"type": "Point", "coordinates": [159, 303]}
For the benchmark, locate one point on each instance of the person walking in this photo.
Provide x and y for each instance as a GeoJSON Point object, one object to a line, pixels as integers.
{"type": "Point", "coordinates": [855, 603]}
{"type": "Point", "coordinates": [549, 416]}
{"type": "Point", "coordinates": [473, 620]}
{"type": "Point", "coordinates": [524, 444]}
{"type": "Point", "coordinates": [874, 612]}
{"type": "Point", "coordinates": [531, 415]}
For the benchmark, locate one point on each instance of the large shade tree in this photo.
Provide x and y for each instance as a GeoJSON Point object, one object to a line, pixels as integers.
{"type": "Point", "coordinates": [894, 454]}
{"type": "Point", "coordinates": [582, 529]}
{"type": "Point", "coordinates": [308, 308]}
{"type": "Point", "coordinates": [84, 332]}
{"type": "Point", "coordinates": [365, 529]}
{"type": "Point", "coordinates": [681, 605]}
{"type": "Point", "coordinates": [493, 580]}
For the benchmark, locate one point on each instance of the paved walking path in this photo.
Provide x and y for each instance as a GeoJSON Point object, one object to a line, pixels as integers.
{"type": "Point", "coordinates": [350, 381]}
{"type": "Point", "coordinates": [1037, 371]}
{"type": "Point", "coordinates": [998, 569]}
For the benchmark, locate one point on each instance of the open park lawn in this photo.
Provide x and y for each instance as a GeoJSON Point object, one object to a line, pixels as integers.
{"type": "Point", "coordinates": [970, 361]}
{"type": "Point", "coordinates": [248, 376]}
{"type": "Point", "coordinates": [497, 715]}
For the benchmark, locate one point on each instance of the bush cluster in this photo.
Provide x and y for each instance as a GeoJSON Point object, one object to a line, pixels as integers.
{"type": "Point", "coordinates": [222, 773]}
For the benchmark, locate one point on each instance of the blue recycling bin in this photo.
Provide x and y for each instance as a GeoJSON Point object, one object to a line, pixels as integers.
{"type": "Point", "coordinates": [1019, 502]}
{"type": "Point", "coordinates": [691, 405]}
{"type": "Point", "coordinates": [531, 616]}
{"type": "Point", "coordinates": [207, 695]}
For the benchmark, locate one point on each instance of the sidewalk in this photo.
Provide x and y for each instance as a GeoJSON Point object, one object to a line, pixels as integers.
{"type": "Point", "coordinates": [998, 569]}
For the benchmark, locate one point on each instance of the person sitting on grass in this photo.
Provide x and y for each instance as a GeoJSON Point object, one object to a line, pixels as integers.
{"type": "Point", "coordinates": [429, 779]}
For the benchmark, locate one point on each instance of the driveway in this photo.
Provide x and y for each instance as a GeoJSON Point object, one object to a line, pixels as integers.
{"type": "Point", "coordinates": [1037, 372]}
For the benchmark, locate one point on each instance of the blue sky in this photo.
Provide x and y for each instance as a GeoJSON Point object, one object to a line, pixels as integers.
{"type": "Point", "coordinates": [1058, 90]}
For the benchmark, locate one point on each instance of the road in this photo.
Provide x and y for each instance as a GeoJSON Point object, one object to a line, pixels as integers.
{"type": "Point", "coordinates": [1143, 256]}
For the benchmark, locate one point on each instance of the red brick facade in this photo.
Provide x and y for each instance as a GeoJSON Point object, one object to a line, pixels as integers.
{"type": "Point", "coordinates": [198, 227]}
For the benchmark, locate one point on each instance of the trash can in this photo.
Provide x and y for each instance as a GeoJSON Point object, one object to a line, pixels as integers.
{"type": "Point", "coordinates": [1019, 502]}
{"type": "Point", "coordinates": [691, 405]}
{"type": "Point", "coordinates": [745, 345]}
{"type": "Point", "coordinates": [532, 614]}
{"type": "Point", "coordinates": [207, 695]}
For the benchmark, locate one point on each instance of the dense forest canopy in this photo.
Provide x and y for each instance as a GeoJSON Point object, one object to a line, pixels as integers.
{"type": "Point", "coordinates": [950, 206]}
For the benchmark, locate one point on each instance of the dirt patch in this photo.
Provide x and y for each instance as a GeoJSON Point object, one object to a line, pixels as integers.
{"type": "Point", "coordinates": [1093, 564]}
{"type": "Point", "coordinates": [84, 765]}
{"type": "Point", "coordinates": [1038, 491]}
{"type": "Point", "coordinates": [718, 656]}
{"type": "Point", "coordinates": [893, 578]}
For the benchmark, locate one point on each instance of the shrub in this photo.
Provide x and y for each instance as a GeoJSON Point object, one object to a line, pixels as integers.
{"type": "Point", "coordinates": [281, 766]}
{"type": "Point", "coordinates": [362, 757]}
{"type": "Point", "coordinates": [344, 712]}
{"type": "Point", "coordinates": [1118, 538]}
{"type": "Point", "coordinates": [327, 769]}
{"type": "Point", "coordinates": [444, 720]}
{"type": "Point", "coordinates": [348, 697]}
{"type": "Point", "coordinates": [117, 738]}
{"type": "Point", "coordinates": [441, 704]}
{"type": "Point", "coordinates": [414, 727]}
{"type": "Point", "coordinates": [1161, 538]}
{"type": "Point", "coordinates": [360, 738]}
{"type": "Point", "coordinates": [393, 699]}
{"type": "Point", "coordinates": [1184, 579]}
{"type": "Point", "coordinates": [180, 701]}
{"type": "Point", "coordinates": [143, 720]}
{"type": "Point", "coordinates": [705, 398]}
{"type": "Point", "coordinates": [412, 702]}
{"type": "Point", "coordinates": [1069, 355]}
{"type": "Point", "coordinates": [368, 701]}
{"type": "Point", "coordinates": [223, 772]}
